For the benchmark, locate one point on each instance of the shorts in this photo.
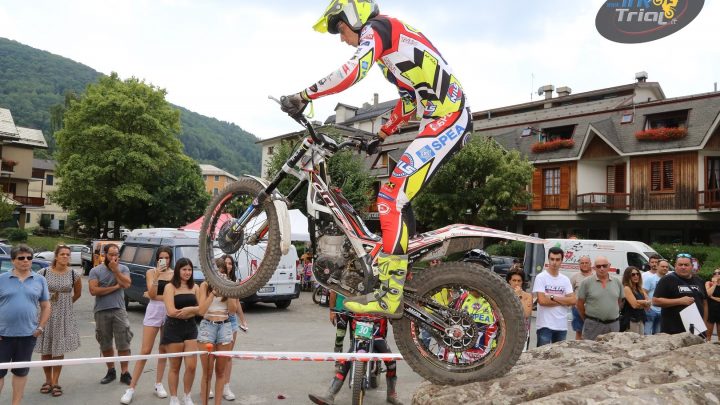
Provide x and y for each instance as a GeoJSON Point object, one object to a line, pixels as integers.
{"type": "Point", "coordinates": [234, 323]}
{"type": "Point", "coordinates": [16, 349]}
{"type": "Point", "coordinates": [178, 330]}
{"type": "Point", "coordinates": [577, 322]}
{"type": "Point", "coordinates": [155, 314]}
{"type": "Point", "coordinates": [217, 333]}
{"type": "Point", "coordinates": [113, 323]}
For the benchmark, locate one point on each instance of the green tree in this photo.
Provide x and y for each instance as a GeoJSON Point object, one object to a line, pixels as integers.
{"type": "Point", "coordinates": [6, 211]}
{"type": "Point", "coordinates": [119, 142]}
{"type": "Point", "coordinates": [346, 171]}
{"type": "Point", "coordinates": [180, 197]}
{"type": "Point", "coordinates": [481, 183]}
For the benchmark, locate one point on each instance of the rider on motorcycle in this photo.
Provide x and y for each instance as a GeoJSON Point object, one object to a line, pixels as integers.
{"type": "Point", "coordinates": [379, 346]}
{"type": "Point", "coordinates": [428, 89]}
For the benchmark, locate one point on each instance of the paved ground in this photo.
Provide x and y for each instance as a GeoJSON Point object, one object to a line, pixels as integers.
{"type": "Point", "coordinates": [304, 326]}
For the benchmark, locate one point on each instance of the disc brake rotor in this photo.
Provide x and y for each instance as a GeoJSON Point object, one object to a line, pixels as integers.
{"type": "Point", "coordinates": [229, 241]}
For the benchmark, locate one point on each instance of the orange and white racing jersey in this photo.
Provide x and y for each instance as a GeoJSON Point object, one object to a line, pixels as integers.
{"type": "Point", "coordinates": [425, 82]}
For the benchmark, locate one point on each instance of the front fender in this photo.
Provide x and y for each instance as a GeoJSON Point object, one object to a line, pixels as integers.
{"type": "Point", "coordinates": [283, 215]}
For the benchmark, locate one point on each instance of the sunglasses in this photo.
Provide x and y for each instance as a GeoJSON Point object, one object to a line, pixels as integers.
{"type": "Point", "coordinates": [634, 274]}
{"type": "Point", "coordinates": [717, 273]}
{"type": "Point", "coordinates": [23, 258]}
{"type": "Point", "coordinates": [602, 266]}
{"type": "Point", "coordinates": [685, 255]}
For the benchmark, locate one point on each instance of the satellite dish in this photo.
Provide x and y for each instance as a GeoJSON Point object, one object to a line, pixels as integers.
{"type": "Point", "coordinates": [540, 91]}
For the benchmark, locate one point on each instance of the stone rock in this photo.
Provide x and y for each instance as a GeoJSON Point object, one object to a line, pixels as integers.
{"type": "Point", "coordinates": [618, 368]}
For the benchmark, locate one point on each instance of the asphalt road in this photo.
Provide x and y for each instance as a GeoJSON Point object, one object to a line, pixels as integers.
{"type": "Point", "coordinates": [303, 326]}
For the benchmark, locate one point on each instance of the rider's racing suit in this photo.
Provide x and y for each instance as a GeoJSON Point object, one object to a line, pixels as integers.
{"type": "Point", "coordinates": [429, 90]}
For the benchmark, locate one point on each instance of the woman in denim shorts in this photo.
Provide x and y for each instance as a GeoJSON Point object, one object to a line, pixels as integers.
{"type": "Point", "coordinates": [216, 329]}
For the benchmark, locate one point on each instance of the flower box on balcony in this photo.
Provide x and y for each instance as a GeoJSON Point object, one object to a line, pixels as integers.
{"type": "Point", "coordinates": [540, 147]}
{"type": "Point", "coordinates": [661, 134]}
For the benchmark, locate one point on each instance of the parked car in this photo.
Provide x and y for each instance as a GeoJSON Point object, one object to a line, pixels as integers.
{"type": "Point", "coordinates": [124, 233]}
{"type": "Point", "coordinates": [138, 253]}
{"type": "Point", "coordinates": [94, 255]}
{"type": "Point", "coordinates": [501, 264]}
{"type": "Point", "coordinates": [5, 248]}
{"type": "Point", "coordinates": [283, 287]}
{"type": "Point", "coordinates": [7, 265]}
{"type": "Point", "coordinates": [75, 254]}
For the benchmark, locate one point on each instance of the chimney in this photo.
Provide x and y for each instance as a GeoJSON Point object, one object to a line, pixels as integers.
{"type": "Point", "coordinates": [641, 77]}
{"type": "Point", "coordinates": [375, 99]}
{"type": "Point", "coordinates": [563, 91]}
{"type": "Point", "coordinates": [547, 90]}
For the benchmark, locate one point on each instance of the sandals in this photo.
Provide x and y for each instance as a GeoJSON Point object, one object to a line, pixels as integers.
{"type": "Point", "coordinates": [56, 390]}
{"type": "Point", "coordinates": [45, 389]}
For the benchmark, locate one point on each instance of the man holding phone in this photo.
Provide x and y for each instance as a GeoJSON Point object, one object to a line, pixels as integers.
{"type": "Point", "coordinates": [106, 282]}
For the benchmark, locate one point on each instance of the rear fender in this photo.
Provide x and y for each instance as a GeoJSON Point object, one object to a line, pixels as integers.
{"type": "Point", "coordinates": [283, 214]}
{"type": "Point", "coordinates": [457, 238]}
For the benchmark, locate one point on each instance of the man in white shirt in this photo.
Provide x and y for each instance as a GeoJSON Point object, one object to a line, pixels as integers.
{"type": "Point", "coordinates": [554, 297]}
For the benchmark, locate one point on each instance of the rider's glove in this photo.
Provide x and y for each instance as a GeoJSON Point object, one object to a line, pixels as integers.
{"type": "Point", "coordinates": [293, 104]}
{"type": "Point", "coordinates": [373, 146]}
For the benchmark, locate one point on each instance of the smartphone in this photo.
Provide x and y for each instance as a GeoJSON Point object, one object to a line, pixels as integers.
{"type": "Point", "coordinates": [162, 264]}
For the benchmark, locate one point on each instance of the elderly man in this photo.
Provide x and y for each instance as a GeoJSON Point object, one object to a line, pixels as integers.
{"type": "Point", "coordinates": [21, 293]}
{"type": "Point", "coordinates": [585, 271]}
{"type": "Point", "coordinates": [599, 300]}
{"type": "Point", "coordinates": [676, 291]}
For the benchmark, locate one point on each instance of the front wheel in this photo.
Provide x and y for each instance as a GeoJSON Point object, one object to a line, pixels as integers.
{"type": "Point", "coordinates": [253, 248]}
{"type": "Point", "coordinates": [358, 377]}
{"type": "Point", "coordinates": [484, 332]}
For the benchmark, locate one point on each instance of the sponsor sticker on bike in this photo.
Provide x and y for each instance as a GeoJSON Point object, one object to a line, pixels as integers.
{"type": "Point", "coordinates": [638, 21]}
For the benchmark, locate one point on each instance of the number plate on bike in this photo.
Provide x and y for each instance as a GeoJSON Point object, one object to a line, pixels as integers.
{"type": "Point", "coordinates": [364, 330]}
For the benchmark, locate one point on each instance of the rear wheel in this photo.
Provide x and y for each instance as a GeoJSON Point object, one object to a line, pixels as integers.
{"type": "Point", "coordinates": [254, 248]}
{"type": "Point", "coordinates": [282, 304]}
{"type": "Point", "coordinates": [358, 376]}
{"type": "Point", "coordinates": [474, 347]}
{"type": "Point", "coordinates": [317, 294]}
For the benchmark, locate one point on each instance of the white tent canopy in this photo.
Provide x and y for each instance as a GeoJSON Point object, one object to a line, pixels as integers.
{"type": "Point", "coordinates": [298, 225]}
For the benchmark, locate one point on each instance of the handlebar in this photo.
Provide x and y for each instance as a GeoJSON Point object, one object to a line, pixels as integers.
{"type": "Point", "coordinates": [321, 139]}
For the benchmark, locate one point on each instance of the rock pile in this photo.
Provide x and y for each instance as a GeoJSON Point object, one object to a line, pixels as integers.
{"type": "Point", "coordinates": [618, 368]}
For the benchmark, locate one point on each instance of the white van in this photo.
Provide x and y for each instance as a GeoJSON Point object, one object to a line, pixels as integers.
{"type": "Point", "coordinates": [283, 287]}
{"type": "Point", "coordinates": [620, 253]}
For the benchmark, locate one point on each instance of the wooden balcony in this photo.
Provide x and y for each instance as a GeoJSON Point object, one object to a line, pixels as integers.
{"type": "Point", "coordinates": [30, 201]}
{"type": "Point", "coordinates": [708, 200]}
{"type": "Point", "coordinates": [551, 202]}
{"type": "Point", "coordinates": [603, 202]}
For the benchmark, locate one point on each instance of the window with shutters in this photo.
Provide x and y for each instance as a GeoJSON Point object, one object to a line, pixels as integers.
{"type": "Point", "coordinates": [616, 179]}
{"type": "Point", "coordinates": [662, 177]}
{"type": "Point", "coordinates": [552, 181]}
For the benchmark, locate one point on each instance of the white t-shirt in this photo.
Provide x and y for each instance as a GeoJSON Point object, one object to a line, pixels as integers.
{"type": "Point", "coordinates": [555, 317]}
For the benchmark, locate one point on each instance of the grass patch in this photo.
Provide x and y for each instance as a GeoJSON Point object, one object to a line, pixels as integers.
{"type": "Point", "coordinates": [43, 243]}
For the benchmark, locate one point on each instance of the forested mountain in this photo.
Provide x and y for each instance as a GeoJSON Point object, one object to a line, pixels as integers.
{"type": "Point", "coordinates": [32, 82]}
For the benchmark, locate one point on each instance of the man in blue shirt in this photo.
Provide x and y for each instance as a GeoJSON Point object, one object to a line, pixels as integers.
{"type": "Point", "coordinates": [650, 281]}
{"type": "Point", "coordinates": [21, 291]}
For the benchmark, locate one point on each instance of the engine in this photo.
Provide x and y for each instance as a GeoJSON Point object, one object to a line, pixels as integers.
{"type": "Point", "coordinates": [336, 261]}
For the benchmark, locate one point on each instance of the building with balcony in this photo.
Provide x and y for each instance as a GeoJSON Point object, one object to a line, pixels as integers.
{"type": "Point", "coordinates": [215, 179]}
{"type": "Point", "coordinates": [44, 181]}
{"type": "Point", "coordinates": [16, 167]}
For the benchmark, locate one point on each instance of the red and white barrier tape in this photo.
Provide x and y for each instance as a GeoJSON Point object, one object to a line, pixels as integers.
{"type": "Point", "coordinates": [242, 355]}
{"type": "Point", "coordinates": [309, 356]}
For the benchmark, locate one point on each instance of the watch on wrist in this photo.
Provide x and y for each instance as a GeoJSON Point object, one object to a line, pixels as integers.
{"type": "Point", "coordinates": [552, 297]}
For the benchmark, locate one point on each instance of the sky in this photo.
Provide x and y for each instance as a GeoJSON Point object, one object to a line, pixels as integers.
{"type": "Point", "coordinates": [223, 58]}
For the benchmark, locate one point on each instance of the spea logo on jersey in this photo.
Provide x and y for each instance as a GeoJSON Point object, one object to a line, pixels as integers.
{"type": "Point", "coordinates": [637, 21]}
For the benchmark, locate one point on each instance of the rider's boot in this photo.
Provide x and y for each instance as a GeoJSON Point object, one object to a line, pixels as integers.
{"type": "Point", "coordinates": [386, 300]}
{"type": "Point", "coordinates": [329, 397]}
{"type": "Point", "coordinates": [392, 397]}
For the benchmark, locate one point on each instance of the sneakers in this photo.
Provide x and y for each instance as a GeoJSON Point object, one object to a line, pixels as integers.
{"type": "Point", "coordinates": [174, 401]}
{"type": "Point", "coordinates": [211, 394]}
{"type": "Point", "coordinates": [187, 400]}
{"type": "Point", "coordinates": [125, 378]}
{"type": "Point", "coordinates": [227, 394]}
{"type": "Point", "coordinates": [128, 396]}
{"type": "Point", "coordinates": [160, 391]}
{"type": "Point", "coordinates": [109, 377]}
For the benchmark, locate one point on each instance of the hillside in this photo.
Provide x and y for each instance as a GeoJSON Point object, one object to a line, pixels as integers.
{"type": "Point", "coordinates": [33, 81]}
